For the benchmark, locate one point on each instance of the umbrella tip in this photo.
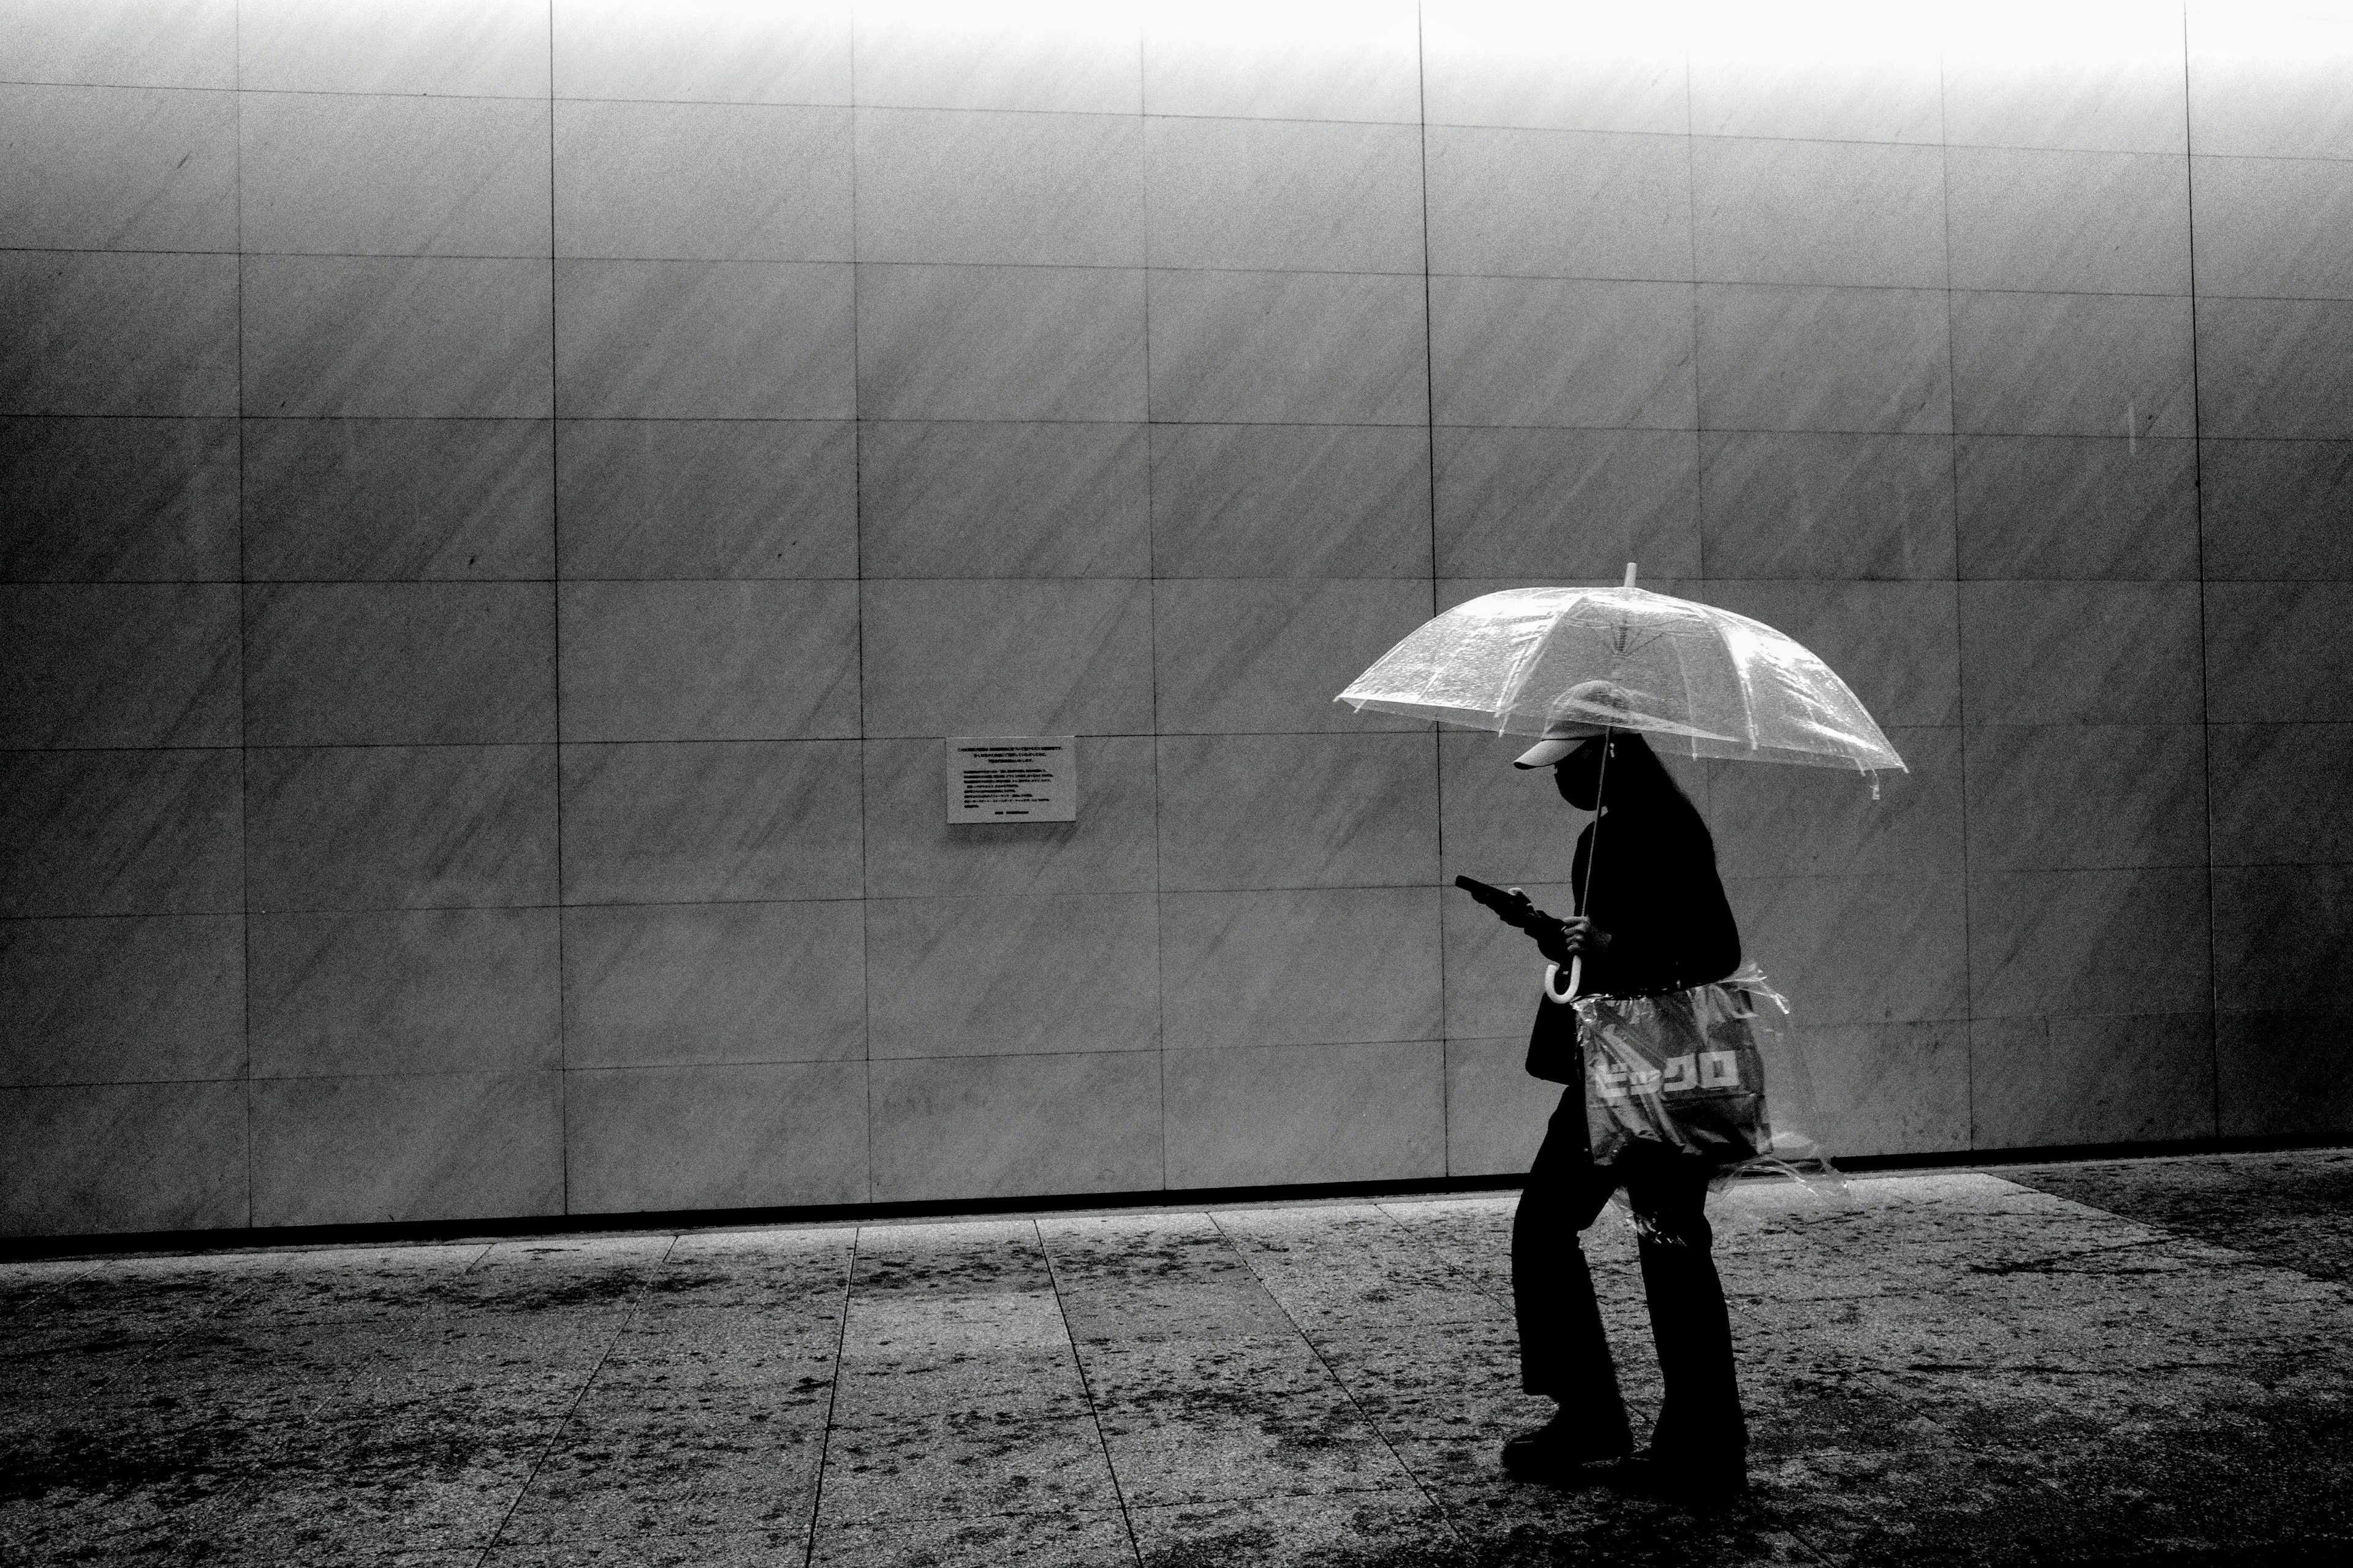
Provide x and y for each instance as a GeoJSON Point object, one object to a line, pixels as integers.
{"type": "Point", "coordinates": [1630, 574]}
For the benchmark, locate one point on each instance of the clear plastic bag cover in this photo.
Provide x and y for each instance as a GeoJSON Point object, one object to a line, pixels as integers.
{"type": "Point", "coordinates": [1716, 1071]}
{"type": "Point", "coordinates": [1690, 676]}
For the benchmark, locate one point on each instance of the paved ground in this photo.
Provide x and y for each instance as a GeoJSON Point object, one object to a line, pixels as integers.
{"type": "Point", "coordinates": [2135, 1360]}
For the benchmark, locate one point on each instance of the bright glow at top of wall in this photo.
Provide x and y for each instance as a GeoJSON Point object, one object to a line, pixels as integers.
{"type": "Point", "coordinates": [1283, 18]}
{"type": "Point", "coordinates": [1283, 23]}
{"type": "Point", "coordinates": [1823, 31]}
{"type": "Point", "coordinates": [1787, 30]}
{"type": "Point", "coordinates": [1069, 20]}
{"type": "Point", "coordinates": [2272, 29]}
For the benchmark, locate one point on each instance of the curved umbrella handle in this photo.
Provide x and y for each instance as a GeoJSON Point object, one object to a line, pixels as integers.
{"type": "Point", "coordinates": [1576, 978]}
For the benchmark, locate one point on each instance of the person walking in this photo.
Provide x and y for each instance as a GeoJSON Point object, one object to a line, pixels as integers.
{"type": "Point", "coordinates": [1652, 917]}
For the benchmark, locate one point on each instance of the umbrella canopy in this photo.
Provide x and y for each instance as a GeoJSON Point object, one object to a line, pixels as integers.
{"type": "Point", "coordinates": [1538, 661]}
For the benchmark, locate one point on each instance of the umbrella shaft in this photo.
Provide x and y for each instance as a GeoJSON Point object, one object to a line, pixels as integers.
{"type": "Point", "coordinates": [1593, 848]}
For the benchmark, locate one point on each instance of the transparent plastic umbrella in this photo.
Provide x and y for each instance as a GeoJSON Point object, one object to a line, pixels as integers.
{"type": "Point", "coordinates": [1693, 678]}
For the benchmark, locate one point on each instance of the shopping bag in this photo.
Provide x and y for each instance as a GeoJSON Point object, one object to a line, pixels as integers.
{"type": "Point", "coordinates": [1679, 1069]}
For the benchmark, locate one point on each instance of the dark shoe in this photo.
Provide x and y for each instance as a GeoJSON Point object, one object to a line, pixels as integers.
{"type": "Point", "coordinates": [1560, 1453]}
{"type": "Point", "coordinates": [1692, 1480]}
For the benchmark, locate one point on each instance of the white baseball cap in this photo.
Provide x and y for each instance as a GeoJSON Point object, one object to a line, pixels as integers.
{"type": "Point", "coordinates": [1563, 736]}
{"type": "Point", "coordinates": [1559, 741]}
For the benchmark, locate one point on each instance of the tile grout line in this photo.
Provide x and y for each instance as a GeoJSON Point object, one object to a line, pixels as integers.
{"type": "Point", "coordinates": [1409, 1232]}
{"type": "Point", "coordinates": [244, 592]}
{"type": "Point", "coordinates": [1699, 430]}
{"type": "Point", "coordinates": [1564, 427]}
{"type": "Point", "coordinates": [555, 638]}
{"type": "Point", "coordinates": [1699, 421]}
{"type": "Point", "coordinates": [2198, 504]}
{"type": "Point", "coordinates": [1316, 1351]}
{"type": "Point", "coordinates": [833, 1394]}
{"type": "Point", "coordinates": [983, 110]}
{"type": "Point", "coordinates": [704, 262]}
{"type": "Point", "coordinates": [865, 739]}
{"type": "Point", "coordinates": [1960, 617]}
{"type": "Point", "coordinates": [65, 1279]}
{"type": "Point", "coordinates": [1429, 449]}
{"type": "Point", "coordinates": [1152, 582]}
{"type": "Point", "coordinates": [637, 1306]}
{"type": "Point", "coordinates": [1086, 1387]}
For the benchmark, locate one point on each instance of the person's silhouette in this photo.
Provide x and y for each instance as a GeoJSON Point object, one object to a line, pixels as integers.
{"type": "Point", "coordinates": [1651, 916]}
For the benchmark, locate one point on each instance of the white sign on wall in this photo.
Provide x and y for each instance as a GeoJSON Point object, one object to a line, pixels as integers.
{"type": "Point", "coordinates": [1013, 778]}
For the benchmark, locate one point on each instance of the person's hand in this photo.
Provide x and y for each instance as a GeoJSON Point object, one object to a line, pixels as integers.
{"type": "Point", "coordinates": [1570, 938]}
{"type": "Point", "coordinates": [1580, 934]}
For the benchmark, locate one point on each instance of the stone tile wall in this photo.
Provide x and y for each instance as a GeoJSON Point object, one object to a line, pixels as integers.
{"type": "Point", "coordinates": [500, 500]}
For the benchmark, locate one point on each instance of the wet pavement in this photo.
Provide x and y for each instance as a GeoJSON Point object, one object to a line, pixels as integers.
{"type": "Point", "coordinates": [2134, 1360]}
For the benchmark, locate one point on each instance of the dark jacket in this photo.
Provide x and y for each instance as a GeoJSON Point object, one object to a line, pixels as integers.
{"type": "Point", "coordinates": [1655, 891]}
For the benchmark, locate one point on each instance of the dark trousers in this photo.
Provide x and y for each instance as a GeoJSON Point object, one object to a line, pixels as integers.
{"type": "Point", "coordinates": [1563, 1350]}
